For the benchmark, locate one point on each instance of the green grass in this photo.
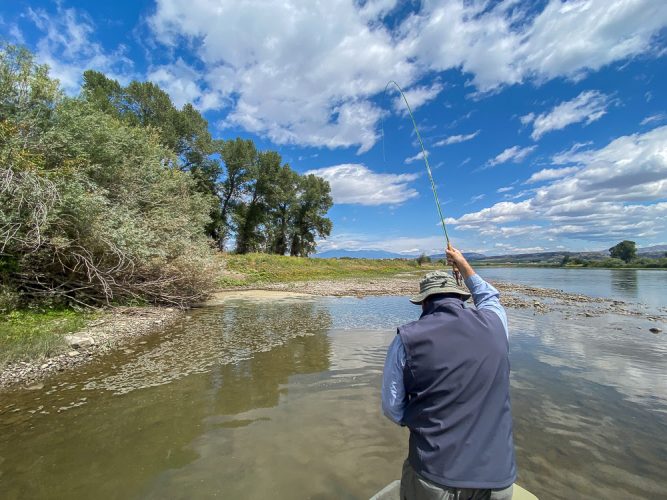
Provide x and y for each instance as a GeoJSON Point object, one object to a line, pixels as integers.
{"type": "Point", "coordinates": [263, 268]}
{"type": "Point", "coordinates": [28, 334]}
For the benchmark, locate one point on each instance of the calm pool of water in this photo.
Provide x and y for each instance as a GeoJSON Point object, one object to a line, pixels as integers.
{"type": "Point", "coordinates": [647, 286]}
{"type": "Point", "coordinates": [280, 399]}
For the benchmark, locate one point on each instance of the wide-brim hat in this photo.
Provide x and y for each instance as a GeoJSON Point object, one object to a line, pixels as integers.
{"type": "Point", "coordinates": [438, 282]}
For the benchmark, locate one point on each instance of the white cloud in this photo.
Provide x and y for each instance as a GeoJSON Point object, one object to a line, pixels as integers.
{"type": "Point", "coordinates": [515, 154]}
{"type": "Point", "coordinates": [417, 96]}
{"type": "Point", "coordinates": [307, 73]}
{"type": "Point", "coordinates": [587, 107]}
{"type": "Point", "coordinates": [355, 183]}
{"type": "Point", "coordinates": [549, 174]}
{"type": "Point", "coordinates": [182, 83]}
{"type": "Point", "coordinates": [455, 139]}
{"type": "Point", "coordinates": [68, 48]}
{"type": "Point", "coordinates": [504, 189]}
{"type": "Point", "coordinates": [618, 191]}
{"type": "Point", "coordinates": [653, 118]}
{"type": "Point", "coordinates": [419, 156]}
{"type": "Point", "coordinates": [506, 44]}
{"type": "Point", "coordinates": [299, 73]}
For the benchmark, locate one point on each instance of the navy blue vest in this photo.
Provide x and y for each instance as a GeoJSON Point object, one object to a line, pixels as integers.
{"type": "Point", "coordinates": [457, 382]}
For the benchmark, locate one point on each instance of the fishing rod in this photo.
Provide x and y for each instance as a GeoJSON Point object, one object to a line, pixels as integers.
{"type": "Point", "coordinates": [456, 272]}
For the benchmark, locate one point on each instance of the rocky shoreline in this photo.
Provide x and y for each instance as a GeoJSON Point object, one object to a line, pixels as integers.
{"type": "Point", "coordinates": [115, 329]}
{"type": "Point", "coordinates": [122, 326]}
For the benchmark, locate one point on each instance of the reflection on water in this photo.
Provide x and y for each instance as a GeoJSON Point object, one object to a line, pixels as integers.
{"type": "Point", "coordinates": [646, 286]}
{"type": "Point", "coordinates": [280, 399]}
{"type": "Point", "coordinates": [624, 282]}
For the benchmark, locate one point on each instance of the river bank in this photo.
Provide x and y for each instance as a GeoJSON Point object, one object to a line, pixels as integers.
{"type": "Point", "coordinates": [120, 328]}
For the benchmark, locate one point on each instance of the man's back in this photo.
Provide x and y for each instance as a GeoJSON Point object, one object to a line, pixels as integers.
{"type": "Point", "coordinates": [456, 379]}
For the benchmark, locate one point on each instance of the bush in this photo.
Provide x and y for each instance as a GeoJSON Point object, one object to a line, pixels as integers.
{"type": "Point", "coordinates": [91, 209]}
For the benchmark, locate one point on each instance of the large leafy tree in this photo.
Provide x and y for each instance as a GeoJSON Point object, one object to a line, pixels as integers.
{"type": "Point", "coordinates": [238, 156]}
{"type": "Point", "coordinates": [252, 215]}
{"type": "Point", "coordinates": [309, 221]}
{"type": "Point", "coordinates": [625, 250]}
{"type": "Point", "coordinates": [282, 210]}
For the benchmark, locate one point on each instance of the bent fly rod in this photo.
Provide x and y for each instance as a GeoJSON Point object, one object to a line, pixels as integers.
{"type": "Point", "coordinates": [456, 272]}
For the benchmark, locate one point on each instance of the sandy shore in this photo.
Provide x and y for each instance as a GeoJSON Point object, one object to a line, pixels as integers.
{"type": "Point", "coordinates": [122, 326]}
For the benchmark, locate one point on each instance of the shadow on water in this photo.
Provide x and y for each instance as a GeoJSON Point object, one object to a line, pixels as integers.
{"type": "Point", "coordinates": [134, 422]}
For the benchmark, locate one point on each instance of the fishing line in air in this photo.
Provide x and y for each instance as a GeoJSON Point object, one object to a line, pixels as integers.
{"type": "Point", "coordinates": [428, 167]}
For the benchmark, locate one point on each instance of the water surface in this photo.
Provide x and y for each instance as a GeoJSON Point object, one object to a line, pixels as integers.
{"type": "Point", "coordinates": [647, 286]}
{"type": "Point", "coordinates": [280, 399]}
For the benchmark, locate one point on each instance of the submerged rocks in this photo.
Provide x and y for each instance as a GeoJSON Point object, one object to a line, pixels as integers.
{"type": "Point", "coordinates": [654, 330]}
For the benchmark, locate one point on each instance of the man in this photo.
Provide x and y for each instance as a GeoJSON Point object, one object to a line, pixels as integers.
{"type": "Point", "coordinates": [446, 378]}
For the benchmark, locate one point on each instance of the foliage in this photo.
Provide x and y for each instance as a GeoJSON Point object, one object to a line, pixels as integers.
{"type": "Point", "coordinates": [625, 250]}
{"type": "Point", "coordinates": [91, 208]}
{"type": "Point", "coordinates": [423, 259]}
{"type": "Point", "coordinates": [313, 200]}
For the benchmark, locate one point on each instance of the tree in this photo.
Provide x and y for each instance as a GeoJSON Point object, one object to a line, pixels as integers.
{"type": "Point", "coordinates": [238, 156]}
{"type": "Point", "coordinates": [423, 259]}
{"type": "Point", "coordinates": [89, 209]}
{"type": "Point", "coordinates": [625, 250]}
{"type": "Point", "coordinates": [282, 209]}
{"type": "Point", "coordinates": [309, 221]}
{"type": "Point", "coordinates": [252, 215]}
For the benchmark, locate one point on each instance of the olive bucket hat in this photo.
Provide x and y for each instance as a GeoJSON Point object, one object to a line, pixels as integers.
{"type": "Point", "coordinates": [437, 282]}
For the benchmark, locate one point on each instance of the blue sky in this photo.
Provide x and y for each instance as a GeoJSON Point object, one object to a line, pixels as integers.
{"type": "Point", "coordinates": [545, 121]}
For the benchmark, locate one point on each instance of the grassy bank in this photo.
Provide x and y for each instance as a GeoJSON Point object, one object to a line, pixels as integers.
{"type": "Point", "coordinates": [26, 335]}
{"type": "Point", "coordinates": [262, 268]}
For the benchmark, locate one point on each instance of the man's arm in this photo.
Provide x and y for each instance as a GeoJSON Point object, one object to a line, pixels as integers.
{"type": "Point", "coordinates": [484, 295]}
{"type": "Point", "coordinates": [393, 390]}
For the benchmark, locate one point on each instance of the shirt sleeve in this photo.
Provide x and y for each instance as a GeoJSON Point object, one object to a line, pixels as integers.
{"type": "Point", "coordinates": [486, 296]}
{"type": "Point", "coordinates": [393, 390]}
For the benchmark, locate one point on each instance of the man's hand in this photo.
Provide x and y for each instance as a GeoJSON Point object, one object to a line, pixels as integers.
{"type": "Point", "coordinates": [455, 258]}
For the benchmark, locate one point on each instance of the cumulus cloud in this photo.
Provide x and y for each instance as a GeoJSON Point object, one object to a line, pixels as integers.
{"type": "Point", "coordinates": [515, 154]}
{"type": "Point", "coordinates": [548, 174]}
{"type": "Point", "coordinates": [455, 139]}
{"type": "Point", "coordinates": [587, 107]}
{"type": "Point", "coordinates": [307, 73]}
{"type": "Point", "coordinates": [417, 96]}
{"type": "Point", "coordinates": [355, 183]}
{"type": "Point", "coordinates": [67, 46]}
{"type": "Point", "coordinates": [614, 192]}
{"type": "Point", "coordinates": [182, 84]}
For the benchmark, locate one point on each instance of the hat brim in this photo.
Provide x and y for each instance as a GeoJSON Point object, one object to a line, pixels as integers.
{"type": "Point", "coordinates": [419, 298]}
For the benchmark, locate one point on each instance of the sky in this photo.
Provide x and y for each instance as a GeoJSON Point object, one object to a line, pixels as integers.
{"type": "Point", "coordinates": [544, 121]}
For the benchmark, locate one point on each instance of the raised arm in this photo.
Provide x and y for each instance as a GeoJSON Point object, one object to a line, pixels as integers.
{"type": "Point", "coordinates": [484, 295]}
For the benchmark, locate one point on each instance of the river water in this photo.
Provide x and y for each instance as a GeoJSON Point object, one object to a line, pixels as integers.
{"type": "Point", "coordinates": [279, 399]}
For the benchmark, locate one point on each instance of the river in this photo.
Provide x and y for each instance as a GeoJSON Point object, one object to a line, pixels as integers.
{"type": "Point", "coordinates": [266, 398]}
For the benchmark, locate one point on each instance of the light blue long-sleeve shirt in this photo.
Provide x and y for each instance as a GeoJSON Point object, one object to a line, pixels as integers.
{"type": "Point", "coordinates": [394, 398]}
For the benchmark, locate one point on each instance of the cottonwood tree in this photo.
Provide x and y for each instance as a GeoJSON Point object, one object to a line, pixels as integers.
{"type": "Point", "coordinates": [625, 250]}
{"type": "Point", "coordinates": [309, 221]}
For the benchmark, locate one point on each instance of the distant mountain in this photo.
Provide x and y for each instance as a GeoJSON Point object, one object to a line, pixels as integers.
{"type": "Point", "coordinates": [543, 257]}
{"type": "Point", "coordinates": [468, 255]}
{"type": "Point", "coordinates": [361, 254]}
{"type": "Point", "coordinates": [653, 252]}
